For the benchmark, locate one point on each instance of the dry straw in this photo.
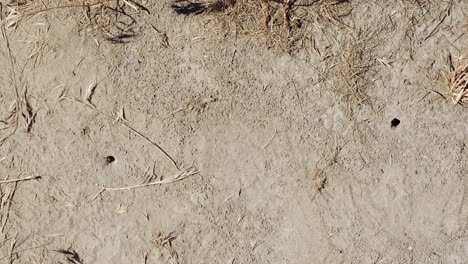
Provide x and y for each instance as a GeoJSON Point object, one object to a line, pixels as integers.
{"type": "Point", "coordinates": [151, 181]}
{"type": "Point", "coordinates": [112, 18]}
{"type": "Point", "coordinates": [458, 85]}
{"type": "Point", "coordinates": [282, 24]}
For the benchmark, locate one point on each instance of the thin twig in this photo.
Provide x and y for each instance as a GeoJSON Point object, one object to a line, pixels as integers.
{"type": "Point", "coordinates": [21, 179]}
{"type": "Point", "coordinates": [435, 28]}
{"type": "Point", "coordinates": [271, 139]}
{"type": "Point", "coordinates": [150, 141]}
{"type": "Point", "coordinates": [11, 58]}
{"type": "Point", "coordinates": [241, 217]}
{"type": "Point", "coordinates": [8, 199]}
{"type": "Point", "coordinates": [25, 249]}
{"type": "Point", "coordinates": [12, 247]}
{"type": "Point", "coordinates": [175, 178]}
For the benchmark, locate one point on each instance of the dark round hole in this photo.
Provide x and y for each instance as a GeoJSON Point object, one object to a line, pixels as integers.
{"type": "Point", "coordinates": [110, 159]}
{"type": "Point", "coordinates": [395, 122]}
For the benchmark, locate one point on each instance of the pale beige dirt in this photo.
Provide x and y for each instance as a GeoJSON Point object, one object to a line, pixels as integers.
{"type": "Point", "coordinates": [391, 195]}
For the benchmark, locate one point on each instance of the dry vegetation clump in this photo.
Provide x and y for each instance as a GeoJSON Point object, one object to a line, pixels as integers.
{"type": "Point", "coordinates": [354, 67]}
{"type": "Point", "coordinates": [10, 10]}
{"type": "Point", "coordinates": [113, 19]}
{"type": "Point", "coordinates": [280, 24]}
{"type": "Point", "coordinates": [348, 65]}
{"type": "Point", "coordinates": [13, 11]}
{"type": "Point", "coordinates": [458, 84]}
{"type": "Point", "coordinates": [164, 243]}
{"type": "Point", "coordinates": [323, 27]}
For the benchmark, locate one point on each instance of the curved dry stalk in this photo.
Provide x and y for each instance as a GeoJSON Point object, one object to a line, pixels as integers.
{"type": "Point", "coordinates": [175, 178]}
{"type": "Point", "coordinates": [119, 119]}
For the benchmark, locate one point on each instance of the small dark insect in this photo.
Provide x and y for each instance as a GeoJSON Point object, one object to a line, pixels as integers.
{"type": "Point", "coordinates": [395, 122]}
{"type": "Point", "coordinates": [110, 159]}
{"type": "Point", "coordinates": [71, 254]}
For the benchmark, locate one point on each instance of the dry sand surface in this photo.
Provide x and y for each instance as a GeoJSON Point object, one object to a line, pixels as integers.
{"type": "Point", "coordinates": [248, 131]}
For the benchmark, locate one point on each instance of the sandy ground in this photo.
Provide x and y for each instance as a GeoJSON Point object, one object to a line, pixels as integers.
{"type": "Point", "coordinates": [296, 156]}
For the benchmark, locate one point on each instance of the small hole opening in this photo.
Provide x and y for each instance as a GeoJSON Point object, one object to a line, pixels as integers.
{"type": "Point", "coordinates": [395, 122]}
{"type": "Point", "coordinates": [110, 159]}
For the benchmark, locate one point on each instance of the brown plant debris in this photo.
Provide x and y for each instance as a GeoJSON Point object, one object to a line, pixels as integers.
{"type": "Point", "coordinates": [282, 24]}
{"type": "Point", "coordinates": [458, 85]}
{"type": "Point", "coordinates": [164, 243]}
{"type": "Point", "coordinates": [150, 180]}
